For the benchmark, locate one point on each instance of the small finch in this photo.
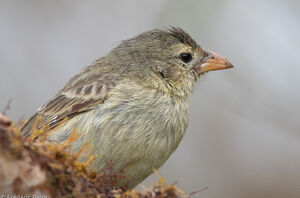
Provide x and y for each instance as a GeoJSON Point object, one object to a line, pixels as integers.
{"type": "Point", "coordinates": [131, 104]}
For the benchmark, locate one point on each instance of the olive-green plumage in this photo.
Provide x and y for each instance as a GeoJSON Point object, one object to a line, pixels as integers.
{"type": "Point", "coordinates": [131, 104]}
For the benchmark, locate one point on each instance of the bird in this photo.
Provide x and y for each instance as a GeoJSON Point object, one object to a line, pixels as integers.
{"type": "Point", "coordinates": [132, 104]}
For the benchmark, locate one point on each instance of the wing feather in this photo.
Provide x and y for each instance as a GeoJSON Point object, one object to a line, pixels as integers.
{"type": "Point", "coordinates": [82, 93]}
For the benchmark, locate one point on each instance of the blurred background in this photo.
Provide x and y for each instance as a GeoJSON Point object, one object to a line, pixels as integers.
{"type": "Point", "coordinates": [243, 138]}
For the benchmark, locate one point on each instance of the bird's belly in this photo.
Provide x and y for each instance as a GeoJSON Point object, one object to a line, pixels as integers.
{"type": "Point", "coordinates": [136, 139]}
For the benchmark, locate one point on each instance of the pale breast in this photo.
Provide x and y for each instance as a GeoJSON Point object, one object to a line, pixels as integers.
{"type": "Point", "coordinates": [142, 130]}
{"type": "Point", "coordinates": [137, 132]}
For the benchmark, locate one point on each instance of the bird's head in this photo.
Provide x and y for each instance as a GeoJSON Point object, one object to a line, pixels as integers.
{"type": "Point", "coordinates": [172, 56]}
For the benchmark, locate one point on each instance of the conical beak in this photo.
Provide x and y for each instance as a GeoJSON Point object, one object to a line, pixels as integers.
{"type": "Point", "coordinates": [213, 61]}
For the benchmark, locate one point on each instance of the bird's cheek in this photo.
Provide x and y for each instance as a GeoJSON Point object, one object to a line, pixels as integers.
{"type": "Point", "coordinates": [172, 73]}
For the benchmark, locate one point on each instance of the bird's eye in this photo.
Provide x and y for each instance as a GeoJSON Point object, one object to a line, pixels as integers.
{"type": "Point", "coordinates": [185, 57]}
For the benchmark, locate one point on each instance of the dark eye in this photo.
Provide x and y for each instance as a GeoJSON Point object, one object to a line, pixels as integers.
{"type": "Point", "coordinates": [185, 57]}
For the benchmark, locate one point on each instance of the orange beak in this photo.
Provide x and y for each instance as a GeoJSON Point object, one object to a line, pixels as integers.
{"type": "Point", "coordinates": [211, 62]}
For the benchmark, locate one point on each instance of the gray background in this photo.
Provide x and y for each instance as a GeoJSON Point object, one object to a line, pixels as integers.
{"type": "Point", "coordinates": [243, 138]}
